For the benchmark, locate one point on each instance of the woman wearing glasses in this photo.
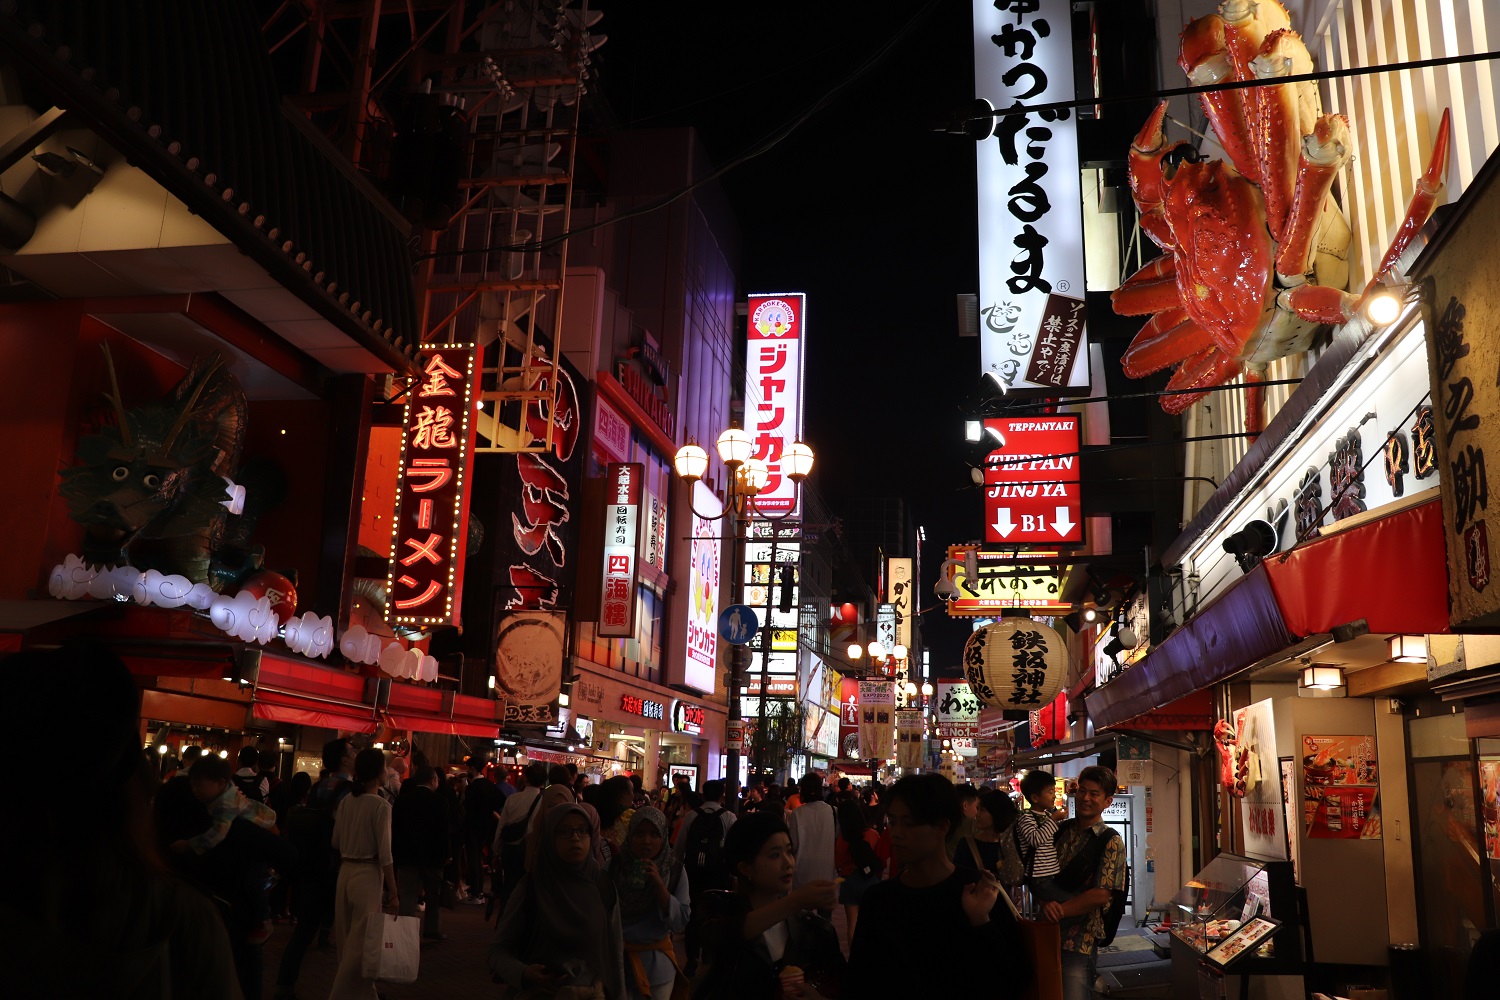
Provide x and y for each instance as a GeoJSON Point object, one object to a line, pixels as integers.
{"type": "Point", "coordinates": [559, 937]}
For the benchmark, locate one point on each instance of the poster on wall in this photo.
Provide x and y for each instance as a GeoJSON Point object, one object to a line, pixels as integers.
{"type": "Point", "coordinates": [1340, 788]}
{"type": "Point", "coordinates": [700, 655]}
{"type": "Point", "coordinates": [1261, 810]}
{"type": "Point", "coordinates": [909, 738]}
{"type": "Point", "coordinates": [1489, 796]}
{"type": "Point", "coordinates": [877, 719]}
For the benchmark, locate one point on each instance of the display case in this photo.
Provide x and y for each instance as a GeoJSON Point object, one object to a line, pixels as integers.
{"type": "Point", "coordinates": [1231, 893]}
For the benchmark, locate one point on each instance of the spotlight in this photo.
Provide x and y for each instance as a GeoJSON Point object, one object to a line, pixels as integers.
{"type": "Point", "coordinates": [1383, 307]}
{"type": "Point", "coordinates": [1091, 615]}
{"type": "Point", "coordinates": [973, 431]}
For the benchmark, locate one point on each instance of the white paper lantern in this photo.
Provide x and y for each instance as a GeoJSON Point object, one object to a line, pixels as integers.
{"type": "Point", "coordinates": [259, 623]}
{"type": "Point", "coordinates": [225, 613]}
{"type": "Point", "coordinates": [352, 643]}
{"type": "Point", "coordinates": [393, 659]}
{"type": "Point", "coordinates": [172, 591]}
{"type": "Point", "coordinates": [57, 582]}
{"type": "Point", "coordinates": [1016, 663]}
{"type": "Point", "coordinates": [319, 633]}
{"type": "Point", "coordinates": [429, 669]}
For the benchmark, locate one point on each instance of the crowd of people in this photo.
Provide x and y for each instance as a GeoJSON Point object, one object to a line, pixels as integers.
{"type": "Point", "coordinates": [601, 890]}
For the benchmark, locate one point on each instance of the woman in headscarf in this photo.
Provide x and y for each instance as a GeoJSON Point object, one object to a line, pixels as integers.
{"type": "Point", "coordinates": [654, 905]}
{"type": "Point", "coordinates": [559, 937]}
{"type": "Point", "coordinates": [552, 797]}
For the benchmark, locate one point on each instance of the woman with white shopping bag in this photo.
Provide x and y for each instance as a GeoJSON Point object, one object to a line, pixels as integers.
{"type": "Point", "coordinates": [362, 838]}
{"type": "Point", "coordinates": [560, 937]}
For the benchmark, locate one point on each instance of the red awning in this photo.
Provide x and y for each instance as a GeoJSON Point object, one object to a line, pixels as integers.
{"type": "Point", "coordinates": [304, 693]}
{"type": "Point", "coordinates": [311, 712]}
{"type": "Point", "coordinates": [1391, 571]}
{"type": "Point", "coordinates": [432, 710]}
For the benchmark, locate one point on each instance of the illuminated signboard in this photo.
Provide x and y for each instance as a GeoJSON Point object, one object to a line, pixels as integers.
{"type": "Point", "coordinates": [1031, 488]}
{"type": "Point", "coordinates": [899, 593]}
{"type": "Point", "coordinates": [622, 515]}
{"type": "Point", "coordinates": [644, 707]}
{"type": "Point", "coordinates": [1005, 582]}
{"type": "Point", "coordinates": [701, 652]}
{"type": "Point", "coordinates": [957, 710]}
{"type": "Point", "coordinates": [773, 390]}
{"type": "Point", "coordinates": [1031, 262]}
{"type": "Point", "coordinates": [687, 718]}
{"type": "Point", "coordinates": [425, 582]}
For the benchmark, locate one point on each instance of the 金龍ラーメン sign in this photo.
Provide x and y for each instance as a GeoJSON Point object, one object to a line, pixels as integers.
{"type": "Point", "coordinates": [1031, 260]}
{"type": "Point", "coordinates": [622, 516]}
{"type": "Point", "coordinates": [431, 523]}
{"type": "Point", "coordinates": [773, 390]}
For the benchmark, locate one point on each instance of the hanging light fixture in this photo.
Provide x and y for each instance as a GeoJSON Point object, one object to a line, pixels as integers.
{"type": "Point", "coordinates": [799, 461]}
{"type": "Point", "coordinates": [691, 462]}
{"type": "Point", "coordinates": [1322, 680]}
{"type": "Point", "coordinates": [855, 651]}
{"type": "Point", "coordinates": [735, 445]}
{"type": "Point", "coordinates": [754, 475]}
{"type": "Point", "coordinates": [1408, 648]}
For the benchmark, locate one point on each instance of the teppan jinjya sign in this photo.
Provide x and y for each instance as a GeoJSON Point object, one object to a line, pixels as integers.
{"type": "Point", "coordinates": [1461, 304]}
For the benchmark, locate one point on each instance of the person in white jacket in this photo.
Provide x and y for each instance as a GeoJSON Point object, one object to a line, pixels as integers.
{"type": "Point", "coordinates": [813, 828]}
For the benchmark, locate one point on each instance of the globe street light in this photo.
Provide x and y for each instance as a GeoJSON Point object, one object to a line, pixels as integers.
{"type": "Point", "coordinates": [749, 475]}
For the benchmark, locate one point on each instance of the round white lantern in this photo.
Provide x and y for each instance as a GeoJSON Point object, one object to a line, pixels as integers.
{"type": "Point", "coordinates": [1016, 663]}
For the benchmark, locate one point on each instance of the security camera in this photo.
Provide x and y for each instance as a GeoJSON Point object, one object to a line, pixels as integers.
{"type": "Point", "coordinates": [945, 588]}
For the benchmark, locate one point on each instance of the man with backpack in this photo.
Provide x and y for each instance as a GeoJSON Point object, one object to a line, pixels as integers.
{"type": "Point", "coordinates": [1092, 859]}
{"type": "Point", "coordinates": [509, 846]}
{"type": "Point", "coordinates": [252, 784]}
{"type": "Point", "coordinates": [700, 845]}
{"type": "Point", "coordinates": [315, 876]}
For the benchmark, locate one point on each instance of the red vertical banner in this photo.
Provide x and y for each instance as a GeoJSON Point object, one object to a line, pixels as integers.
{"type": "Point", "coordinates": [425, 582]}
{"type": "Point", "coordinates": [622, 520]}
{"type": "Point", "coordinates": [773, 390]}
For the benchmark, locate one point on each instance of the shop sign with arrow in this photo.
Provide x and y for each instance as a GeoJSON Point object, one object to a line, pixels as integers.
{"type": "Point", "coordinates": [1031, 481]}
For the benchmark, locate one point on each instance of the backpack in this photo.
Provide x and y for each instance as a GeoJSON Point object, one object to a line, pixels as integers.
{"type": "Point", "coordinates": [703, 853]}
{"type": "Point", "coordinates": [1080, 872]}
{"type": "Point", "coordinates": [309, 827]}
{"type": "Point", "coordinates": [866, 861]}
{"type": "Point", "coordinates": [1010, 869]}
{"type": "Point", "coordinates": [249, 786]}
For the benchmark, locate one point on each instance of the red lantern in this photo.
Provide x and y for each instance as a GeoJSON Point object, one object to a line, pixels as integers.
{"type": "Point", "coordinates": [848, 614]}
{"type": "Point", "coordinates": [281, 591]}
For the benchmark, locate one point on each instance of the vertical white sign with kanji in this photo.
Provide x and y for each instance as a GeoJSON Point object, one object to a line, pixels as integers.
{"type": "Point", "coordinates": [773, 391]}
{"type": "Point", "coordinates": [425, 580]}
{"type": "Point", "coordinates": [622, 516]}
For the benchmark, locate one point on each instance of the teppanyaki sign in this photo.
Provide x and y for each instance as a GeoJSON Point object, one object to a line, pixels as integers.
{"type": "Point", "coordinates": [1031, 271]}
{"type": "Point", "coordinates": [1031, 481]}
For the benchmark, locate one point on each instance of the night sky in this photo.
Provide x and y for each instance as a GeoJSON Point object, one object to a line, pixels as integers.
{"type": "Point", "coordinates": [864, 207]}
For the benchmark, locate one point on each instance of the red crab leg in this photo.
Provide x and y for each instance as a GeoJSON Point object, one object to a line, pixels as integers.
{"type": "Point", "coordinates": [1324, 154]}
{"type": "Point", "coordinates": [1320, 303]}
{"type": "Point", "coordinates": [1246, 25]}
{"type": "Point", "coordinates": [1203, 55]}
{"type": "Point", "coordinates": [1168, 338]}
{"type": "Point", "coordinates": [1210, 367]}
{"type": "Point", "coordinates": [1149, 290]}
{"type": "Point", "coordinates": [1255, 396]}
{"type": "Point", "coordinates": [1145, 176]}
{"type": "Point", "coordinates": [1423, 200]}
{"type": "Point", "coordinates": [1275, 125]}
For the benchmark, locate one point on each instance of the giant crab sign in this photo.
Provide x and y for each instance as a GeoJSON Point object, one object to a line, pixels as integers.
{"type": "Point", "coordinates": [1256, 248]}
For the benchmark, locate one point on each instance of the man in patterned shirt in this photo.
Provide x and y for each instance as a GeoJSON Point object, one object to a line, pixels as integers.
{"type": "Point", "coordinates": [1097, 878]}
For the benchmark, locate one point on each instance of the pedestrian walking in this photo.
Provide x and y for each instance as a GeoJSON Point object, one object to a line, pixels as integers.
{"type": "Point", "coordinates": [419, 848]}
{"type": "Point", "coordinates": [87, 910]}
{"type": "Point", "coordinates": [616, 802]}
{"type": "Point", "coordinates": [760, 940]}
{"type": "Point", "coordinates": [552, 797]}
{"type": "Point", "coordinates": [482, 805]}
{"type": "Point", "coordinates": [700, 846]}
{"type": "Point", "coordinates": [813, 829]}
{"type": "Point", "coordinates": [362, 837]}
{"type": "Point", "coordinates": [248, 779]}
{"type": "Point", "coordinates": [509, 846]}
{"type": "Point", "coordinates": [654, 905]}
{"type": "Point", "coordinates": [560, 933]}
{"type": "Point", "coordinates": [1091, 857]}
{"type": "Point", "coordinates": [932, 900]}
{"type": "Point", "coordinates": [856, 859]}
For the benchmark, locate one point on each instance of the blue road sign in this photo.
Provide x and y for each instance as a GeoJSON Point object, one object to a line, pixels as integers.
{"type": "Point", "coordinates": [737, 623]}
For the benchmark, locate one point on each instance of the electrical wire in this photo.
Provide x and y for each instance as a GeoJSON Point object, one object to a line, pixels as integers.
{"type": "Point", "coordinates": [759, 148]}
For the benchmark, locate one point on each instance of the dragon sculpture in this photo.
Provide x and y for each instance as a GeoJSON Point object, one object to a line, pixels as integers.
{"type": "Point", "coordinates": [1256, 248]}
{"type": "Point", "coordinates": [151, 490]}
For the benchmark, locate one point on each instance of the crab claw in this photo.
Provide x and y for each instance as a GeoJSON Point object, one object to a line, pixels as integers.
{"type": "Point", "coordinates": [1276, 121]}
{"type": "Point", "coordinates": [1203, 55]}
{"type": "Point", "coordinates": [1320, 303]}
{"type": "Point", "coordinates": [1423, 201]}
{"type": "Point", "coordinates": [1146, 177]}
{"type": "Point", "coordinates": [1207, 368]}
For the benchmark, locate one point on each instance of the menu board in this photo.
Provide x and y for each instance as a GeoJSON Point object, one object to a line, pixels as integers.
{"type": "Point", "coordinates": [1340, 788]}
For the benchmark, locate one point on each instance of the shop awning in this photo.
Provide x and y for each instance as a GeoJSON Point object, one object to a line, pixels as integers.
{"type": "Point", "coordinates": [1389, 571]}
{"type": "Point", "coordinates": [1096, 744]}
{"type": "Point", "coordinates": [432, 710]}
{"type": "Point", "coordinates": [304, 693]}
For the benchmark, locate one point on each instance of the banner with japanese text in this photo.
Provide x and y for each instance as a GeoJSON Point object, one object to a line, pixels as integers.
{"type": "Point", "coordinates": [908, 738]}
{"type": "Point", "coordinates": [773, 390]}
{"type": "Point", "coordinates": [425, 581]}
{"type": "Point", "coordinates": [877, 719]}
{"type": "Point", "coordinates": [623, 486]}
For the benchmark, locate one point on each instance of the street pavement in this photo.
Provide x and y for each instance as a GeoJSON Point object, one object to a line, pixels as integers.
{"type": "Point", "coordinates": [455, 969]}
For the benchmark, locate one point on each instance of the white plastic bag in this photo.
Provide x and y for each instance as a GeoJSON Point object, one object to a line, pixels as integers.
{"type": "Point", "coordinates": [392, 947]}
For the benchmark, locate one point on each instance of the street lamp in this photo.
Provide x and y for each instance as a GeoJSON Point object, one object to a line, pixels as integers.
{"type": "Point", "coordinates": [749, 475]}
